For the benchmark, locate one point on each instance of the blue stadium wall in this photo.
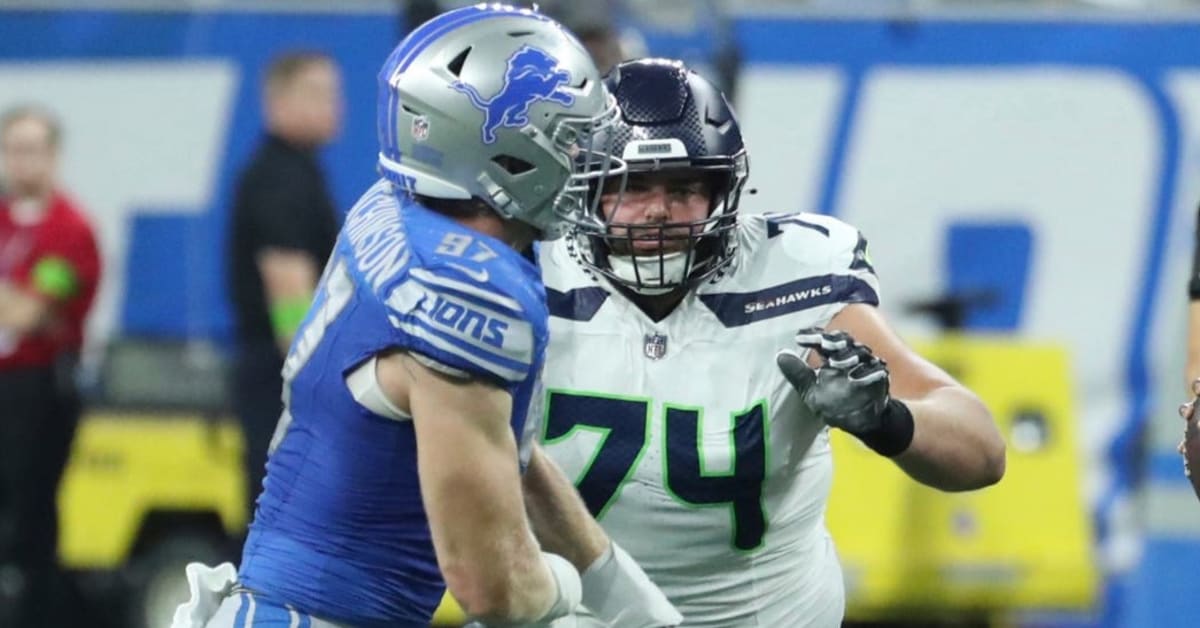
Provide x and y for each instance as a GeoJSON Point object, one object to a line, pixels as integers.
{"type": "Point", "coordinates": [819, 99]}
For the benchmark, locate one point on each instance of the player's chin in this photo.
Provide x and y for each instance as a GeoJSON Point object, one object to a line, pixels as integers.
{"type": "Point", "coordinates": [646, 248]}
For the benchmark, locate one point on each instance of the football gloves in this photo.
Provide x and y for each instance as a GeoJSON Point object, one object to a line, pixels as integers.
{"type": "Point", "coordinates": [850, 391]}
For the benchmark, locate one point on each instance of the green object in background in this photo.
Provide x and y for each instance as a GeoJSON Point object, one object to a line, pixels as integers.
{"type": "Point", "coordinates": [55, 277]}
{"type": "Point", "coordinates": [287, 315]}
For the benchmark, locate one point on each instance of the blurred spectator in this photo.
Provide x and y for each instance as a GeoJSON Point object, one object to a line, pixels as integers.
{"type": "Point", "coordinates": [283, 228]}
{"type": "Point", "coordinates": [1189, 447]}
{"type": "Point", "coordinates": [49, 268]}
{"type": "Point", "coordinates": [1192, 372]}
{"type": "Point", "coordinates": [593, 22]}
{"type": "Point", "coordinates": [596, 25]}
{"type": "Point", "coordinates": [615, 30]}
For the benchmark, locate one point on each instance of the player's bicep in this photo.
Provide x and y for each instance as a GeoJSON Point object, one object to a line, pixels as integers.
{"type": "Point", "coordinates": [444, 406]}
{"type": "Point", "coordinates": [466, 458]}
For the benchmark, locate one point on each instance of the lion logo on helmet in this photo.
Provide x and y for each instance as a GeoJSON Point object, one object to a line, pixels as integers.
{"type": "Point", "coordinates": [532, 76]}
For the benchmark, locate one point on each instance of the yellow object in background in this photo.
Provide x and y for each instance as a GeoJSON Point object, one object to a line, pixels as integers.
{"type": "Point", "coordinates": [1025, 543]}
{"type": "Point", "coordinates": [449, 613]}
{"type": "Point", "coordinates": [126, 467]}
{"type": "Point", "coordinates": [142, 481]}
{"type": "Point", "coordinates": [146, 493]}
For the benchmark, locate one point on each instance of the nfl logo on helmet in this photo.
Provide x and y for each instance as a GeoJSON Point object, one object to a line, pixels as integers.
{"type": "Point", "coordinates": [655, 346]}
{"type": "Point", "coordinates": [420, 128]}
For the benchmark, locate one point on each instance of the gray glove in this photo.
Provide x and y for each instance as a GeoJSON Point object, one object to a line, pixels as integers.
{"type": "Point", "coordinates": [850, 391]}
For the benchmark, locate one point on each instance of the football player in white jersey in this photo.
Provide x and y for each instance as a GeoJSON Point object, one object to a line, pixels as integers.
{"type": "Point", "coordinates": [680, 395]}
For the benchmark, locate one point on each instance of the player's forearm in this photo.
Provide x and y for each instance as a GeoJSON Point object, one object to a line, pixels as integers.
{"type": "Point", "coordinates": [560, 520]}
{"type": "Point", "coordinates": [471, 488]}
{"type": "Point", "coordinates": [486, 551]}
{"type": "Point", "coordinates": [614, 587]}
{"type": "Point", "coordinates": [955, 446]}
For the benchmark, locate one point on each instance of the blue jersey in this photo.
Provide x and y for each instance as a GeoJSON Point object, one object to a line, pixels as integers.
{"type": "Point", "coordinates": [340, 531]}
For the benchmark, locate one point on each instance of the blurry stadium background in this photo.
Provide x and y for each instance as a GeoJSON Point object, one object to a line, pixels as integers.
{"type": "Point", "coordinates": [1028, 173]}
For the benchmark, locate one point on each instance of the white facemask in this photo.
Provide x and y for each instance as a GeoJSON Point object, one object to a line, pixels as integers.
{"type": "Point", "coordinates": [654, 278]}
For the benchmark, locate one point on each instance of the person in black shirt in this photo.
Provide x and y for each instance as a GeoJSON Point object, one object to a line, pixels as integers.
{"type": "Point", "coordinates": [1190, 445]}
{"type": "Point", "coordinates": [1192, 369]}
{"type": "Point", "coordinates": [283, 228]}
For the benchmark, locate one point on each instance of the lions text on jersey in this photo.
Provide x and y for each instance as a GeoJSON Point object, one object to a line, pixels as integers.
{"type": "Point", "coordinates": [340, 531]}
{"type": "Point", "coordinates": [684, 438]}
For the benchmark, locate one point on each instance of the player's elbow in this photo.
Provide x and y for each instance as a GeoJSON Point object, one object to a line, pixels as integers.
{"type": "Point", "coordinates": [987, 451]}
{"type": "Point", "coordinates": [988, 466]}
{"type": "Point", "coordinates": [469, 587]}
{"type": "Point", "coordinates": [481, 594]}
{"type": "Point", "coordinates": [995, 462]}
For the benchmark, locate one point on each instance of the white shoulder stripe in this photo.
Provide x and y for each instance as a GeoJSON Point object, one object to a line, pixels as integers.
{"type": "Point", "coordinates": [427, 335]}
{"type": "Point", "coordinates": [518, 339]}
{"type": "Point", "coordinates": [490, 330]}
{"type": "Point", "coordinates": [426, 277]}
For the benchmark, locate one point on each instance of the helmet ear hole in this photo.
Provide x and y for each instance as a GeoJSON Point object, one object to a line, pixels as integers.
{"type": "Point", "coordinates": [512, 165]}
{"type": "Point", "coordinates": [456, 64]}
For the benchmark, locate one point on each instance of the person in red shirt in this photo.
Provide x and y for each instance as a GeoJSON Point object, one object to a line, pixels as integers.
{"type": "Point", "coordinates": [49, 269]}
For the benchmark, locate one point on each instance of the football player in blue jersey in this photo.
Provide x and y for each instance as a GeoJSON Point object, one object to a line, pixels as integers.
{"type": "Point", "coordinates": [669, 309]}
{"type": "Point", "coordinates": [404, 463]}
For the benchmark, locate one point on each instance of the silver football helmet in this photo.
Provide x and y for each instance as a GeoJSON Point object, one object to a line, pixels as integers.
{"type": "Point", "coordinates": [500, 104]}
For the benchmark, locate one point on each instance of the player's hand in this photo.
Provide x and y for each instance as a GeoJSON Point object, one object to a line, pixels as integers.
{"type": "Point", "coordinates": [850, 391]}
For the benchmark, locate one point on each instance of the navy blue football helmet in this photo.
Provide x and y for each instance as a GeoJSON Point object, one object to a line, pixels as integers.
{"type": "Point", "coordinates": [672, 121]}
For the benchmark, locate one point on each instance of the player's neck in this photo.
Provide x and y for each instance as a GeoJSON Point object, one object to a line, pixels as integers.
{"type": "Point", "coordinates": [655, 306]}
{"type": "Point", "coordinates": [516, 234]}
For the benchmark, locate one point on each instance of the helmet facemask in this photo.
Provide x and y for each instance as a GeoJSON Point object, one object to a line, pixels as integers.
{"type": "Point", "coordinates": [592, 166]}
{"type": "Point", "coordinates": [658, 258]}
{"type": "Point", "coordinates": [673, 125]}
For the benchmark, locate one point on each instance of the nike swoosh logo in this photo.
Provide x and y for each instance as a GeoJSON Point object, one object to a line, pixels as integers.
{"type": "Point", "coordinates": [478, 274]}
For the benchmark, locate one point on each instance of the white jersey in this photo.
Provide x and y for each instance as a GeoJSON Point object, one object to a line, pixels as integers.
{"type": "Point", "coordinates": [684, 438]}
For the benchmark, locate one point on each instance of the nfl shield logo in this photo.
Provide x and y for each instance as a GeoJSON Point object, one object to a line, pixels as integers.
{"type": "Point", "coordinates": [655, 346]}
{"type": "Point", "coordinates": [420, 128]}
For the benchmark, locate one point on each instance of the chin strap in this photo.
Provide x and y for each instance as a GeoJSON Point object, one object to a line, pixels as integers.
{"type": "Point", "coordinates": [651, 275]}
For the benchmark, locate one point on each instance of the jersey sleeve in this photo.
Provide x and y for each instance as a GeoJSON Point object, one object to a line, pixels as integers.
{"type": "Point", "coordinates": [834, 246]}
{"type": "Point", "coordinates": [854, 278]}
{"type": "Point", "coordinates": [463, 324]}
